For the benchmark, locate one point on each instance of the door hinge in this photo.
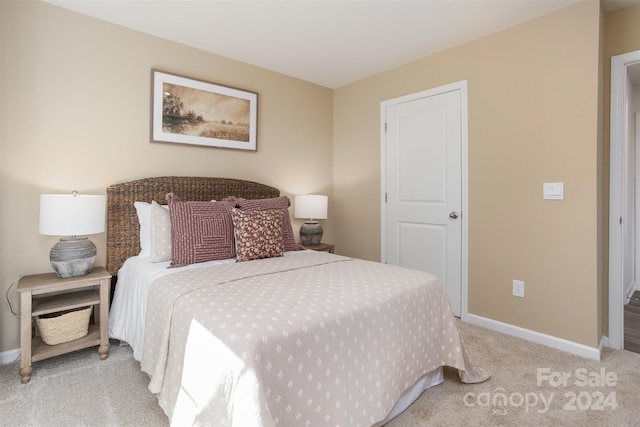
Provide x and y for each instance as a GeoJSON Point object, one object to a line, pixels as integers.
{"type": "Point", "coordinates": [620, 220]}
{"type": "Point", "coordinates": [385, 128]}
{"type": "Point", "coordinates": [385, 197]}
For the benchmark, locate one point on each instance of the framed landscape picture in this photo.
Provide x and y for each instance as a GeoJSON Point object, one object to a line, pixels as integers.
{"type": "Point", "coordinates": [196, 112]}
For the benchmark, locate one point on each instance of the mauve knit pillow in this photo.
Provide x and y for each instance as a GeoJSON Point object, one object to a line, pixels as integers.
{"type": "Point", "coordinates": [281, 203]}
{"type": "Point", "coordinates": [200, 231]}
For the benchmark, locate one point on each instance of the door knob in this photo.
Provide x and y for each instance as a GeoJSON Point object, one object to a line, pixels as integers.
{"type": "Point", "coordinates": [453, 215]}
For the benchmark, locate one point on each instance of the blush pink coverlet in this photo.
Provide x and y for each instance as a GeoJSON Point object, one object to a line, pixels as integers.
{"type": "Point", "coordinates": [309, 339]}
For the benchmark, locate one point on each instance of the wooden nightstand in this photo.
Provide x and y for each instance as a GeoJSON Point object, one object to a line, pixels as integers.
{"type": "Point", "coordinates": [327, 247]}
{"type": "Point", "coordinates": [82, 291]}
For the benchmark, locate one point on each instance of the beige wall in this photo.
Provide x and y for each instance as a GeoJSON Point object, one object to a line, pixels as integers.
{"type": "Point", "coordinates": [533, 118]}
{"type": "Point", "coordinates": [622, 31]}
{"type": "Point", "coordinates": [75, 115]}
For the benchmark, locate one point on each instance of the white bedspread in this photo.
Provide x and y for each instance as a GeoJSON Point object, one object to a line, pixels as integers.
{"type": "Point", "coordinates": [312, 339]}
{"type": "Point", "coordinates": [129, 305]}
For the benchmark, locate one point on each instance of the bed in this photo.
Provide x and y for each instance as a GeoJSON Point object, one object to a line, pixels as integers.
{"type": "Point", "coordinates": [273, 335]}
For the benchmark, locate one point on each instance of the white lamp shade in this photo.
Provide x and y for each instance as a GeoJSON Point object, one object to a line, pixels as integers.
{"type": "Point", "coordinates": [311, 206]}
{"type": "Point", "coordinates": [71, 214]}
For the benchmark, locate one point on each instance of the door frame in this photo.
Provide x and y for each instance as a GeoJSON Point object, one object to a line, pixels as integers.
{"type": "Point", "coordinates": [464, 217]}
{"type": "Point", "coordinates": [618, 123]}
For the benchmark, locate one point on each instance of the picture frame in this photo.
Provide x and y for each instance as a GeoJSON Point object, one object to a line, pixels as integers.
{"type": "Point", "coordinates": [197, 112]}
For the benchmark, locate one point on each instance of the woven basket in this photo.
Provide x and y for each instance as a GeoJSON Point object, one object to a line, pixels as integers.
{"type": "Point", "coordinates": [62, 327]}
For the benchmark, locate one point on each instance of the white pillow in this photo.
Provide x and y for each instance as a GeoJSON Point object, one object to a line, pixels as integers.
{"type": "Point", "coordinates": [160, 232]}
{"type": "Point", "coordinates": [143, 209]}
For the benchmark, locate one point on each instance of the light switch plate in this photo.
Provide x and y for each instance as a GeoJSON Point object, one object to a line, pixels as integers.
{"type": "Point", "coordinates": [553, 190]}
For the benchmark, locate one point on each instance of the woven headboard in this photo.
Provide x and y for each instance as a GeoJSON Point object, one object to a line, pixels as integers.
{"type": "Point", "coordinates": [123, 229]}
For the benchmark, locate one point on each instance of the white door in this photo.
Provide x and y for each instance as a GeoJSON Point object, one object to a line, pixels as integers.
{"type": "Point", "coordinates": [423, 176]}
{"type": "Point", "coordinates": [621, 66]}
{"type": "Point", "coordinates": [635, 263]}
{"type": "Point", "coordinates": [629, 214]}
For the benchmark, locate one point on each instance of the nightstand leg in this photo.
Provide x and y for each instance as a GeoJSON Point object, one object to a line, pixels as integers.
{"type": "Point", "coordinates": [25, 337]}
{"type": "Point", "coordinates": [103, 350]}
{"type": "Point", "coordinates": [25, 374]}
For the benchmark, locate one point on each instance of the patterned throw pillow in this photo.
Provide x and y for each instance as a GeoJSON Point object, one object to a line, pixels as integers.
{"type": "Point", "coordinates": [200, 231]}
{"type": "Point", "coordinates": [258, 234]}
{"type": "Point", "coordinates": [281, 203]}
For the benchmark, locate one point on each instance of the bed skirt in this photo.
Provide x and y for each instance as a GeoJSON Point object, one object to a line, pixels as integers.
{"type": "Point", "coordinates": [410, 395]}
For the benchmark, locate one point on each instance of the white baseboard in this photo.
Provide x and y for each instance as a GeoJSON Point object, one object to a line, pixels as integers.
{"type": "Point", "coordinates": [604, 342]}
{"type": "Point", "coordinates": [9, 356]}
{"type": "Point", "coordinates": [630, 292]}
{"type": "Point", "coordinates": [537, 337]}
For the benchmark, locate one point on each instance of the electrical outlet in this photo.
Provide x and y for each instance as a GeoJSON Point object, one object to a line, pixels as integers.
{"type": "Point", "coordinates": [518, 288]}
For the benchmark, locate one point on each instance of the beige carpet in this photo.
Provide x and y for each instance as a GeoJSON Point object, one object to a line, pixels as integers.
{"type": "Point", "coordinates": [515, 365]}
{"type": "Point", "coordinates": [79, 389]}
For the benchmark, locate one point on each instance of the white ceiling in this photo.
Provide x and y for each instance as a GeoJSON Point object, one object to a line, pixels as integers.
{"type": "Point", "coordinates": [330, 43]}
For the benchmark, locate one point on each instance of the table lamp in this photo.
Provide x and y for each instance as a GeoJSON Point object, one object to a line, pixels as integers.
{"type": "Point", "coordinates": [73, 216]}
{"type": "Point", "coordinates": [311, 207]}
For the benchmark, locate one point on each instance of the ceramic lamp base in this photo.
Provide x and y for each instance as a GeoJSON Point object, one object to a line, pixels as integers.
{"type": "Point", "coordinates": [310, 233]}
{"type": "Point", "coordinates": [73, 256]}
